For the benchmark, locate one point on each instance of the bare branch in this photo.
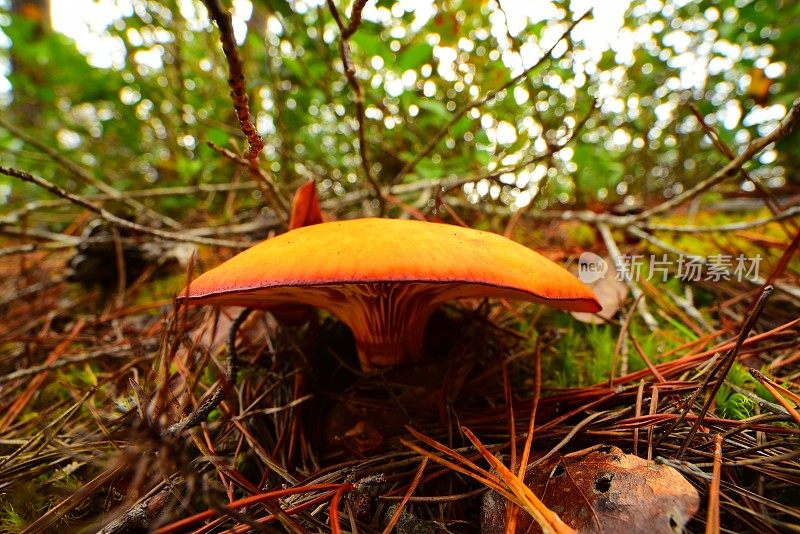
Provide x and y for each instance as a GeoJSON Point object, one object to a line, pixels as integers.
{"type": "Point", "coordinates": [265, 183]}
{"type": "Point", "coordinates": [15, 215]}
{"type": "Point", "coordinates": [436, 139]}
{"type": "Point", "coordinates": [769, 198]}
{"type": "Point", "coordinates": [732, 227]}
{"type": "Point", "coordinates": [783, 129]}
{"type": "Point", "coordinates": [113, 219]}
{"type": "Point", "coordinates": [85, 177]}
{"type": "Point", "coordinates": [355, 18]}
{"type": "Point", "coordinates": [350, 73]}
{"type": "Point", "coordinates": [236, 81]}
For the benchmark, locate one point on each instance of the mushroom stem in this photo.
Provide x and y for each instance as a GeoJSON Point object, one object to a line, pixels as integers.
{"type": "Point", "coordinates": [387, 320]}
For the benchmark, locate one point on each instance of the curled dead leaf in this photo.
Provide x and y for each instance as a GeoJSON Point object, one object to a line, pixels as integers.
{"type": "Point", "coordinates": [611, 293]}
{"type": "Point", "coordinates": [604, 490]}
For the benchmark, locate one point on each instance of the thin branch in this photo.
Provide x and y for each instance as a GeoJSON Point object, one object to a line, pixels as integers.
{"type": "Point", "coordinates": [15, 215]}
{"type": "Point", "coordinates": [768, 197]}
{"type": "Point", "coordinates": [724, 368]}
{"type": "Point", "coordinates": [783, 129]}
{"type": "Point", "coordinates": [113, 219]}
{"type": "Point", "coordinates": [720, 370]}
{"type": "Point", "coordinates": [346, 56]}
{"type": "Point", "coordinates": [85, 177]}
{"type": "Point", "coordinates": [636, 291]}
{"type": "Point", "coordinates": [436, 139]}
{"type": "Point", "coordinates": [355, 19]}
{"type": "Point", "coordinates": [241, 105]}
{"type": "Point", "coordinates": [200, 414]}
{"type": "Point", "coordinates": [236, 79]}
{"type": "Point", "coordinates": [116, 352]}
{"type": "Point", "coordinates": [270, 193]}
{"type": "Point", "coordinates": [732, 227]}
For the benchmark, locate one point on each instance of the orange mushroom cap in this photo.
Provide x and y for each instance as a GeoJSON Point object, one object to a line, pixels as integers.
{"type": "Point", "coordinates": [383, 278]}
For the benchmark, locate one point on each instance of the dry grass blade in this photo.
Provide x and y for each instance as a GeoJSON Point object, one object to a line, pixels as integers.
{"type": "Point", "coordinates": [778, 392]}
{"type": "Point", "coordinates": [464, 465]}
{"type": "Point", "coordinates": [414, 483]}
{"type": "Point", "coordinates": [528, 501]}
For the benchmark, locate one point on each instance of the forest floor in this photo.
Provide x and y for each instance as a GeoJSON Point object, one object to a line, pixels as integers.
{"type": "Point", "coordinates": [93, 372]}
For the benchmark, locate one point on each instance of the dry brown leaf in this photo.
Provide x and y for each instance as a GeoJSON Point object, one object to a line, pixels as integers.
{"type": "Point", "coordinates": [610, 291]}
{"type": "Point", "coordinates": [604, 490]}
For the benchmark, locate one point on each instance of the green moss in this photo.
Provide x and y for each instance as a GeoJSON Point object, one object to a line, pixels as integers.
{"type": "Point", "coordinates": [10, 520]}
{"type": "Point", "coordinates": [735, 405]}
{"type": "Point", "coordinates": [582, 356]}
{"type": "Point", "coordinates": [582, 235]}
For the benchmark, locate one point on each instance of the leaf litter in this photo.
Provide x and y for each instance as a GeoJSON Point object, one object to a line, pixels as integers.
{"type": "Point", "coordinates": [92, 377]}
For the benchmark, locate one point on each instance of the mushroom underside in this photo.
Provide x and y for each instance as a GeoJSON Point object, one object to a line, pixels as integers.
{"type": "Point", "coordinates": [387, 318]}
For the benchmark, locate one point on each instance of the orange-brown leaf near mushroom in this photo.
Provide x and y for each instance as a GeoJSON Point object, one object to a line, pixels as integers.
{"type": "Point", "coordinates": [384, 277]}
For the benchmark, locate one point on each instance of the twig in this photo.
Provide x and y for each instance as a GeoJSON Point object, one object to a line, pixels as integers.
{"type": "Point", "coordinates": [238, 85]}
{"type": "Point", "coordinates": [721, 370]}
{"type": "Point", "coordinates": [143, 514]}
{"type": "Point", "coordinates": [769, 198]}
{"type": "Point", "coordinates": [436, 139]}
{"type": "Point", "coordinates": [732, 227]}
{"type": "Point", "coordinates": [265, 182]}
{"type": "Point", "coordinates": [88, 179]}
{"type": "Point", "coordinates": [200, 414]}
{"type": "Point", "coordinates": [116, 352]}
{"type": "Point", "coordinates": [113, 219]}
{"type": "Point", "coordinates": [781, 130]}
{"type": "Point", "coordinates": [30, 290]}
{"type": "Point", "coordinates": [350, 73]}
{"type": "Point", "coordinates": [14, 216]}
{"type": "Point", "coordinates": [236, 80]}
{"type": "Point", "coordinates": [636, 291]}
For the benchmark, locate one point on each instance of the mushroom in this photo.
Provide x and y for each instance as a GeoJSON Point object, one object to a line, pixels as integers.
{"type": "Point", "coordinates": [384, 277]}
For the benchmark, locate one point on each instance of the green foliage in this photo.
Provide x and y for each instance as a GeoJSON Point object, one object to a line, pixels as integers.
{"type": "Point", "coordinates": [145, 120]}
